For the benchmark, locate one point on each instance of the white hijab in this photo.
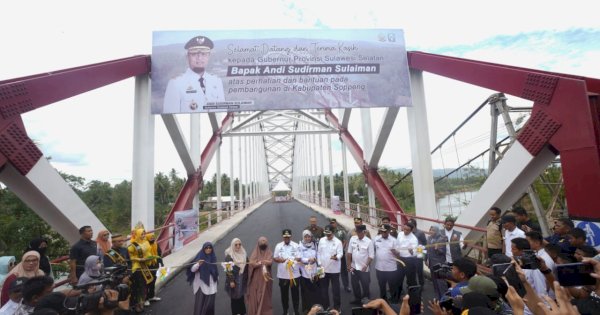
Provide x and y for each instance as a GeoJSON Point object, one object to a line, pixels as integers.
{"type": "Point", "coordinates": [238, 255]}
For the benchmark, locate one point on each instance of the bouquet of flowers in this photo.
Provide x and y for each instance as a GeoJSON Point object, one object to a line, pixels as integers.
{"type": "Point", "coordinates": [421, 251]}
{"type": "Point", "coordinates": [228, 268]}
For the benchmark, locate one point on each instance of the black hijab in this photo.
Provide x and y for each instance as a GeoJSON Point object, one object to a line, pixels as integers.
{"type": "Point", "coordinates": [44, 261]}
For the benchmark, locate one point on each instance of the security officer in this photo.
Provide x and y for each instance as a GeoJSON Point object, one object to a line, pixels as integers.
{"type": "Point", "coordinates": [195, 88]}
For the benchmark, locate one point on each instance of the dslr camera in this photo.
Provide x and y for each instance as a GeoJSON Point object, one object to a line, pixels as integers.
{"type": "Point", "coordinates": [442, 271]}
{"type": "Point", "coordinates": [89, 301]}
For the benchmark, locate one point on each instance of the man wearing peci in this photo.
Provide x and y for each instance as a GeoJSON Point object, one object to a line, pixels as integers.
{"type": "Point", "coordinates": [193, 89]}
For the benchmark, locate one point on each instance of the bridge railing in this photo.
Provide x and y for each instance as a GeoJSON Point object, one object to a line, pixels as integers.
{"type": "Point", "coordinates": [206, 219]}
{"type": "Point", "coordinates": [474, 249]}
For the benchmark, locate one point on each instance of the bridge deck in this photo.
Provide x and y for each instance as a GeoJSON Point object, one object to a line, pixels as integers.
{"type": "Point", "coordinates": [268, 220]}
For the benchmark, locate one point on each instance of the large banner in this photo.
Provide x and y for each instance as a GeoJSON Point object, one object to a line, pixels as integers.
{"type": "Point", "coordinates": [212, 71]}
{"type": "Point", "coordinates": [186, 226]}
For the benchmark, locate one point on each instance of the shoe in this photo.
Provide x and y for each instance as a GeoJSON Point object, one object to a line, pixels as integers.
{"type": "Point", "coordinates": [154, 299]}
{"type": "Point", "coordinates": [348, 289]}
{"type": "Point", "coordinates": [146, 303]}
{"type": "Point", "coordinates": [356, 302]}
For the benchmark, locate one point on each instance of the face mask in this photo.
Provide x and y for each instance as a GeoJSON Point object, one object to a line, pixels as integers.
{"type": "Point", "coordinates": [262, 246]}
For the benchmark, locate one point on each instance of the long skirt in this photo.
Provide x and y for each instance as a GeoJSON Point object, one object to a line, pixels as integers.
{"type": "Point", "coordinates": [238, 306]}
{"type": "Point", "coordinates": [204, 304]}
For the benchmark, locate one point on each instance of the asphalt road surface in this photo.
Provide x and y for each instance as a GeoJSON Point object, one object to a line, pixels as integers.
{"type": "Point", "coordinates": [268, 220]}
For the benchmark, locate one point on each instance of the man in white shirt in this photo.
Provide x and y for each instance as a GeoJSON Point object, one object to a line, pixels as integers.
{"type": "Point", "coordinates": [360, 255]}
{"type": "Point", "coordinates": [14, 295]}
{"type": "Point", "coordinates": [385, 262]}
{"type": "Point", "coordinates": [455, 241]}
{"type": "Point", "coordinates": [511, 231]}
{"type": "Point", "coordinates": [534, 276]}
{"type": "Point", "coordinates": [285, 256]}
{"type": "Point", "coordinates": [329, 256]}
{"type": "Point", "coordinates": [536, 242]}
{"type": "Point", "coordinates": [406, 245]}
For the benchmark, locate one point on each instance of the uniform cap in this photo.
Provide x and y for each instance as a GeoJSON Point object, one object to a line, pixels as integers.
{"type": "Point", "coordinates": [199, 43]}
{"type": "Point", "coordinates": [482, 285]}
{"type": "Point", "coordinates": [357, 220]}
{"type": "Point", "coordinates": [118, 237]}
{"type": "Point", "coordinates": [331, 220]}
{"type": "Point", "coordinates": [287, 233]}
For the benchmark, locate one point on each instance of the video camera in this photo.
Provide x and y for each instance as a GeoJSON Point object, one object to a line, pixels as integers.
{"type": "Point", "coordinates": [89, 301]}
{"type": "Point", "coordinates": [442, 271]}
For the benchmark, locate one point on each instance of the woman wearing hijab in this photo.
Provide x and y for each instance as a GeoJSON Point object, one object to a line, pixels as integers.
{"type": "Point", "coordinates": [141, 276]}
{"type": "Point", "coordinates": [436, 255]}
{"type": "Point", "coordinates": [93, 268]}
{"type": "Point", "coordinates": [260, 283]}
{"type": "Point", "coordinates": [29, 267]}
{"type": "Point", "coordinates": [40, 245]}
{"type": "Point", "coordinates": [153, 264]}
{"type": "Point", "coordinates": [307, 256]}
{"type": "Point", "coordinates": [103, 242]}
{"type": "Point", "coordinates": [203, 276]}
{"type": "Point", "coordinates": [237, 279]}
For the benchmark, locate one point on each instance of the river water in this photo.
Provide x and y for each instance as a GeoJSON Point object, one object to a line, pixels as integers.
{"type": "Point", "coordinates": [454, 204]}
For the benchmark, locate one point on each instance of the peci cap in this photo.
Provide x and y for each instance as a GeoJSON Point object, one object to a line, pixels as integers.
{"type": "Point", "coordinates": [199, 43]}
{"type": "Point", "coordinates": [332, 220]}
{"type": "Point", "coordinates": [118, 237]}
{"type": "Point", "coordinates": [17, 285]}
{"type": "Point", "coordinates": [361, 228]}
{"type": "Point", "coordinates": [481, 284]}
{"type": "Point", "coordinates": [385, 228]}
{"type": "Point", "coordinates": [357, 220]}
{"type": "Point", "coordinates": [328, 230]}
{"type": "Point", "coordinates": [286, 233]}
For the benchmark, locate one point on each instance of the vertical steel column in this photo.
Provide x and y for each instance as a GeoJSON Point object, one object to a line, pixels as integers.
{"type": "Point", "coordinates": [316, 189]}
{"type": "Point", "coordinates": [195, 151]}
{"type": "Point", "coordinates": [368, 151]}
{"type": "Point", "coordinates": [246, 158]}
{"type": "Point", "coordinates": [418, 131]}
{"type": "Point", "coordinates": [345, 178]}
{"type": "Point", "coordinates": [493, 138]}
{"type": "Point", "coordinates": [142, 184]}
{"type": "Point", "coordinates": [240, 180]}
{"type": "Point", "coordinates": [331, 187]}
{"type": "Point", "coordinates": [219, 204]}
{"type": "Point", "coordinates": [322, 175]}
{"type": "Point", "coordinates": [231, 178]}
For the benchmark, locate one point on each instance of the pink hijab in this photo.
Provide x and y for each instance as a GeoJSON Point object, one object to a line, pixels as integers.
{"type": "Point", "coordinates": [19, 271]}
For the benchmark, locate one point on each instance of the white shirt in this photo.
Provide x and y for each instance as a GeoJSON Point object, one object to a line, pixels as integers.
{"type": "Point", "coordinates": [184, 93]}
{"type": "Point", "coordinates": [361, 251]}
{"type": "Point", "coordinates": [287, 252]}
{"type": "Point", "coordinates": [406, 242]}
{"type": "Point", "coordinates": [538, 282]}
{"type": "Point", "coordinates": [307, 270]}
{"type": "Point", "coordinates": [508, 236]}
{"type": "Point", "coordinates": [207, 289]}
{"type": "Point", "coordinates": [9, 308]}
{"type": "Point", "coordinates": [547, 259]}
{"type": "Point", "coordinates": [449, 236]}
{"type": "Point", "coordinates": [384, 258]}
{"type": "Point", "coordinates": [327, 249]}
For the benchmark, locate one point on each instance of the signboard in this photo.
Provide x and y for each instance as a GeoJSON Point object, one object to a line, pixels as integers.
{"type": "Point", "coordinates": [213, 71]}
{"type": "Point", "coordinates": [335, 204]}
{"type": "Point", "coordinates": [592, 230]}
{"type": "Point", "coordinates": [186, 226]}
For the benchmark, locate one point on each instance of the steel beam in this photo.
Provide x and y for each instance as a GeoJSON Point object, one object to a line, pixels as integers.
{"type": "Point", "coordinates": [278, 133]}
{"type": "Point", "coordinates": [384, 133]}
{"type": "Point", "coordinates": [181, 146]}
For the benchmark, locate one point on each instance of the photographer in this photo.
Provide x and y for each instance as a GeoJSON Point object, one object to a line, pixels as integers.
{"type": "Point", "coordinates": [528, 261]}
{"type": "Point", "coordinates": [33, 290]}
{"type": "Point", "coordinates": [463, 269]}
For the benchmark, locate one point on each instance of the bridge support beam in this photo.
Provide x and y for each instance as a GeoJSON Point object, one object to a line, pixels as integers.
{"type": "Point", "coordinates": [418, 132]}
{"type": "Point", "coordinates": [142, 179]}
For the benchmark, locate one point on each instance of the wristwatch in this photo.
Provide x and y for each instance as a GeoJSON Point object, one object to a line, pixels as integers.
{"type": "Point", "coordinates": [547, 271]}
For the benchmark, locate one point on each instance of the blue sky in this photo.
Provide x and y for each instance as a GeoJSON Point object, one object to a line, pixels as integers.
{"type": "Point", "coordinates": [91, 135]}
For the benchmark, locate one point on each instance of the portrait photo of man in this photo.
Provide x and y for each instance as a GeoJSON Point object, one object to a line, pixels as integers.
{"type": "Point", "coordinates": [194, 88]}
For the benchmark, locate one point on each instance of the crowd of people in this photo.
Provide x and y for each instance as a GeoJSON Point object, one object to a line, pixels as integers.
{"type": "Point", "coordinates": [524, 268]}
{"type": "Point", "coordinates": [27, 286]}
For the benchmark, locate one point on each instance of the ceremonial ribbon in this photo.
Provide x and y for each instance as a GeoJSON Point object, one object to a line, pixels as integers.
{"type": "Point", "coordinates": [289, 265]}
